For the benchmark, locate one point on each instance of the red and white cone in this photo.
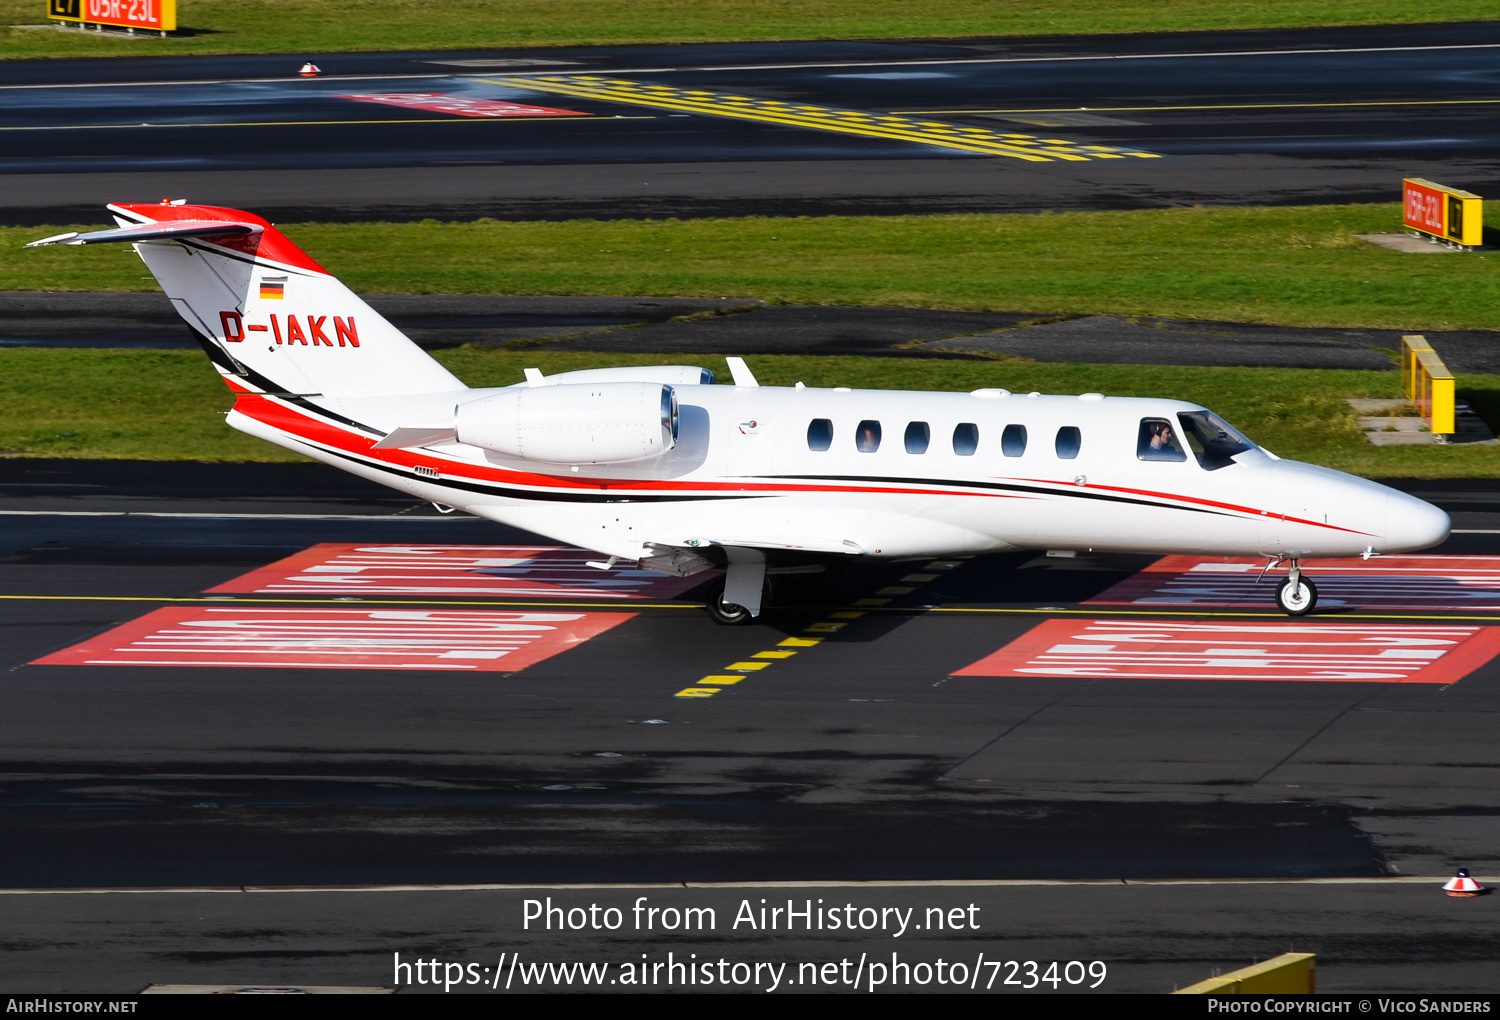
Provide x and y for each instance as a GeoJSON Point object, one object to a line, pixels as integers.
{"type": "Point", "coordinates": [1462, 885]}
{"type": "Point", "coordinates": [310, 70]}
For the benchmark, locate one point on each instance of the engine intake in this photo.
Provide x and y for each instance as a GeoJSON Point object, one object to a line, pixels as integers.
{"type": "Point", "coordinates": [598, 423]}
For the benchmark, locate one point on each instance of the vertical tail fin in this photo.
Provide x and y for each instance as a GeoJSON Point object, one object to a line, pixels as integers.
{"type": "Point", "coordinates": [267, 313]}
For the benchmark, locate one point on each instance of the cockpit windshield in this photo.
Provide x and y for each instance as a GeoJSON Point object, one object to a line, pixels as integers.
{"type": "Point", "coordinates": [1212, 439]}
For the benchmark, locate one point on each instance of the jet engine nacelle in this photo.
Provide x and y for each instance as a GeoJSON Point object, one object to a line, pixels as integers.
{"type": "Point", "coordinates": [583, 423]}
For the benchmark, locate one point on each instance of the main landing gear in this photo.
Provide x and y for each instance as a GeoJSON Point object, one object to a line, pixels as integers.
{"type": "Point", "coordinates": [1296, 595]}
{"type": "Point", "coordinates": [730, 614]}
{"type": "Point", "coordinates": [739, 600]}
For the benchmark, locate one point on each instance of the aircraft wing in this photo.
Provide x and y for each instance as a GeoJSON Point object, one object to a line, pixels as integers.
{"type": "Point", "coordinates": [778, 543]}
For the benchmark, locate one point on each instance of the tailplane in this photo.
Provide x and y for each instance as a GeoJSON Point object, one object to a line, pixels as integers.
{"type": "Point", "coordinates": [271, 318]}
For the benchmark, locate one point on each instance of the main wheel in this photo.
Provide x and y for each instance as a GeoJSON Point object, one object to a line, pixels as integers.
{"type": "Point", "coordinates": [727, 613]}
{"type": "Point", "coordinates": [1298, 600]}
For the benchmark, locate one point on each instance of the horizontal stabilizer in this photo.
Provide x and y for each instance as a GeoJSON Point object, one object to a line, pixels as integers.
{"type": "Point", "coordinates": [155, 232]}
{"type": "Point", "coordinates": [407, 437]}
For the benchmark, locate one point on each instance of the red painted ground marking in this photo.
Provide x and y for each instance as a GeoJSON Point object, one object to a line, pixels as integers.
{"type": "Point", "coordinates": [1137, 649]}
{"type": "Point", "coordinates": [483, 640]}
{"type": "Point", "coordinates": [447, 571]}
{"type": "Point", "coordinates": [463, 106]}
{"type": "Point", "coordinates": [1406, 582]}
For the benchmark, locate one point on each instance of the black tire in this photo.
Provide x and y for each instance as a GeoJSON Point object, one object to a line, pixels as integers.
{"type": "Point", "coordinates": [728, 614]}
{"type": "Point", "coordinates": [1300, 602]}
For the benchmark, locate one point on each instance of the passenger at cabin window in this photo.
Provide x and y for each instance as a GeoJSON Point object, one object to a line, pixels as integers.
{"type": "Point", "coordinates": [1157, 441]}
{"type": "Point", "coordinates": [1069, 442]}
{"type": "Point", "coordinates": [966, 439]}
{"type": "Point", "coordinates": [1013, 440]}
{"type": "Point", "coordinates": [867, 437]}
{"type": "Point", "coordinates": [918, 435]}
{"type": "Point", "coordinates": [819, 435]}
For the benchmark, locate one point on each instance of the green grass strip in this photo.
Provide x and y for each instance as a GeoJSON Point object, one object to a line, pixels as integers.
{"type": "Point", "coordinates": [317, 26]}
{"type": "Point", "coordinates": [1299, 265]}
{"type": "Point", "coordinates": [169, 405]}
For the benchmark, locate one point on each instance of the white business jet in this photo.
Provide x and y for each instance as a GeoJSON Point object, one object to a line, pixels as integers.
{"type": "Point", "coordinates": [657, 467]}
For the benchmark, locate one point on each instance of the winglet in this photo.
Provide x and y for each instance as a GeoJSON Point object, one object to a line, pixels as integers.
{"type": "Point", "coordinates": [741, 372]}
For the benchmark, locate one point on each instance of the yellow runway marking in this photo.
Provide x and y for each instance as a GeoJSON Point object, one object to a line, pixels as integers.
{"type": "Point", "coordinates": [782, 651]}
{"type": "Point", "coordinates": [1222, 106]}
{"type": "Point", "coordinates": [895, 127]}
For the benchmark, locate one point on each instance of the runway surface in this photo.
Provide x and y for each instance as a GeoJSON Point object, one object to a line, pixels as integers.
{"type": "Point", "coordinates": [221, 681]}
{"type": "Point", "coordinates": [773, 128]}
{"type": "Point", "coordinates": [885, 747]}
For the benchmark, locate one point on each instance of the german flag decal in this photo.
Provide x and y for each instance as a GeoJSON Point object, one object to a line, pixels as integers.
{"type": "Point", "coordinates": [273, 289]}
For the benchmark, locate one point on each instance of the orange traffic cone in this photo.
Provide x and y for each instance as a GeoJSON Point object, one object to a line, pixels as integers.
{"type": "Point", "coordinates": [1462, 885]}
{"type": "Point", "coordinates": [310, 70]}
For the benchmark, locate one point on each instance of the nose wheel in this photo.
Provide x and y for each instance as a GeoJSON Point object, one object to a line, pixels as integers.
{"type": "Point", "coordinates": [1296, 595]}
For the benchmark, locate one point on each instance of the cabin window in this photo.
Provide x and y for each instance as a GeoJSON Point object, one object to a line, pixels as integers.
{"type": "Point", "coordinates": [1069, 442]}
{"type": "Point", "coordinates": [965, 439]}
{"type": "Point", "coordinates": [1212, 439]}
{"type": "Point", "coordinates": [1013, 440]}
{"type": "Point", "coordinates": [918, 435]}
{"type": "Point", "coordinates": [819, 435]}
{"type": "Point", "coordinates": [1158, 441]}
{"type": "Point", "coordinates": [867, 437]}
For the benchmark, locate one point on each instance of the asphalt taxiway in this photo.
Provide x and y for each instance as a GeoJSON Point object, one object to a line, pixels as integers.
{"type": "Point", "coordinates": [700, 327]}
{"type": "Point", "coordinates": [775, 128]}
{"type": "Point", "coordinates": [866, 755]}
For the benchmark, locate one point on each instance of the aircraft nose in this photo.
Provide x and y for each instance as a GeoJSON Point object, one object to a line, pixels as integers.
{"type": "Point", "coordinates": [1412, 524]}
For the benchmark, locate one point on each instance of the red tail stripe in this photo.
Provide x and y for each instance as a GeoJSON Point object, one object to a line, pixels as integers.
{"type": "Point", "coordinates": [271, 244]}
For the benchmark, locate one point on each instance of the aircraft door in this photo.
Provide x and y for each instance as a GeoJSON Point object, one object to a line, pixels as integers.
{"type": "Point", "coordinates": [752, 449]}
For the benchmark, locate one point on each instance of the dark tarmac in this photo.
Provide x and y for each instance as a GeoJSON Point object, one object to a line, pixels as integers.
{"type": "Point", "coordinates": [1170, 828]}
{"type": "Point", "coordinates": [1306, 116]}
{"type": "Point", "coordinates": [859, 760]}
{"type": "Point", "coordinates": [697, 327]}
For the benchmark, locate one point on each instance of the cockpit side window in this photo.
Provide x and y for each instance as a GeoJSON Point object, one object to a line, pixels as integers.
{"type": "Point", "coordinates": [1213, 440]}
{"type": "Point", "coordinates": [1158, 441]}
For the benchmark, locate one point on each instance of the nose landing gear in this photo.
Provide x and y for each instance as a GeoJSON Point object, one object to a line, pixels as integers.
{"type": "Point", "coordinates": [1296, 595]}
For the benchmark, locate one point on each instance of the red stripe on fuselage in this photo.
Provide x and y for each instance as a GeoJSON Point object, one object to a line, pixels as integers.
{"type": "Point", "coordinates": [309, 429]}
{"type": "Point", "coordinates": [1250, 511]}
